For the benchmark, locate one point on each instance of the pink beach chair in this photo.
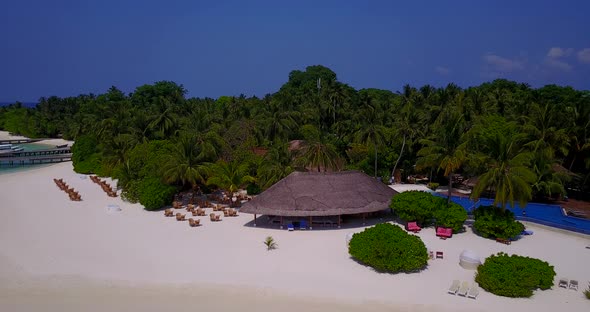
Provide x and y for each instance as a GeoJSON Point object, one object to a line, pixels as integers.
{"type": "Point", "coordinates": [413, 227]}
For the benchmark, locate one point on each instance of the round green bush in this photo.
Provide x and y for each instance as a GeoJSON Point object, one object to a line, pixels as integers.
{"type": "Point", "coordinates": [514, 276]}
{"type": "Point", "coordinates": [494, 222]}
{"type": "Point", "coordinates": [153, 194]}
{"type": "Point", "coordinates": [453, 216]}
{"type": "Point", "coordinates": [388, 248]}
{"type": "Point", "coordinates": [416, 206]}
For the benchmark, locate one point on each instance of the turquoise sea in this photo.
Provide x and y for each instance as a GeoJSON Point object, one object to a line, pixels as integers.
{"type": "Point", "coordinates": [4, 169]}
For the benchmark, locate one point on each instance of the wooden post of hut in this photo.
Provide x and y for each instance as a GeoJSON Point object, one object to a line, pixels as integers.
{"type": "Point", "coordinates": [310, 222]}
{"type": "Point", "coordinates": [339, 220]}
{"type": "Point", "coordinates": [281, 222]}
{"type": "Point", "coordinates": [254, 219]}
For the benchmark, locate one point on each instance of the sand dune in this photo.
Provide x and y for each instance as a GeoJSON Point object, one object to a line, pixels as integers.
{"type": "Point", "coordinates": [64, 255]}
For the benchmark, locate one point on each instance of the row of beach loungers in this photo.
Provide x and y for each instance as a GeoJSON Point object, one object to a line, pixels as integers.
{"type": "Point", "coordinates": [73, 194]}
{"type": "Point", "coordinates": [198, 211]}
{"type": "Point", "coordinates": [105, 186]}
{"type": "Point", "coordinates": [464, 289]}
{"type": "Point", "coordinates": [568, 284]}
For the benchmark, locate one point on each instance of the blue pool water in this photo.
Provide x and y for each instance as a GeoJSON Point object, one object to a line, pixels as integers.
{"type": "Point", "coordinates": [550, 215]}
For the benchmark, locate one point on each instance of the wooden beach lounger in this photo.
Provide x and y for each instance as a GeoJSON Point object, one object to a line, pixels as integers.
{"type": "Point", "coordinates": [463, 289]}
{"type": "Point", "coordinates": [503, 241]}
{"type": "Point", "coordinates": [454, 287]}
{"type": "Point", "coordinates": [473, 291]}
{"type": "Point", "coordinates": [574, 285]}
{"type": "Point", "coordinates": [180, 217]}
{"type": "Point", "coordinates": [192, 222]}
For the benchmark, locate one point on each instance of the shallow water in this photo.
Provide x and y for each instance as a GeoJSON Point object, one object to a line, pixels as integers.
{"type": "Point", "coordinates": [5, 169]}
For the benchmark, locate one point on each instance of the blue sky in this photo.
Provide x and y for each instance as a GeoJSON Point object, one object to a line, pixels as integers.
{"type": "Point", "coordinates": [216, 48]}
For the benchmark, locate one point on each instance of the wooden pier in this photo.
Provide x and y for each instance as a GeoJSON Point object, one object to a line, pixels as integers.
{"type": "Point", "coordinates": [19, 141]}
{"type": "Point", "coordinates": [36, 157]}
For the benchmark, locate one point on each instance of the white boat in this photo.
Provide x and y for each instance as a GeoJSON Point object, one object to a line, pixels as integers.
{"type": "Point", "coordinates": [6, 148]}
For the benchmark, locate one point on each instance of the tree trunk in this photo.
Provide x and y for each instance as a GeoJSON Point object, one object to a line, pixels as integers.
{"type": "Point", "coordinates": [398, 159]}
{"type": "Point", "coordinates": [334, 112]}
{"type": "Point", "coordinates": [450, 189]}
{"type": "Point", "coordinates": [573, 161]}
{"type": "Point", "coordinates": [375, 160]}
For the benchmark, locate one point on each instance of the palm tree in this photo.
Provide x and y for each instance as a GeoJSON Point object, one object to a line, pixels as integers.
{"type": "Point", "coordinates": [508, 173]}
{"type": "Point", "coordinates": [550, 176]}
{"type": "Point", "coordinates": [372, 132]}
{"type": "Point", "coordinates": [543, 132]}
{"type": "Point", "coordinates": [229, 176]}
{"type": "Point", "coordinates": [280, 123]}
{"type": "Point", "coordinates": [405, 125]}
{"type": "Point", "coordinates": [275, 165]}
{"type": "Point", "coordinates": [184, 163]}
{"type": "Point", "coordinates": [446, 150]}
{"type": "Point", "coordinates": [164, 122]}
{"type": "Point", "coordinates": [316, 151]}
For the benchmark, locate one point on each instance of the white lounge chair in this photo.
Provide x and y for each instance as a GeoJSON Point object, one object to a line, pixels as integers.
{"type": "Point", "coordinates": [463, 289]}
{"type": "Point", "coordinates": [473, 291]}
{"type": "Point", "coordinates": [563, 282]}
{"type": "Point", "coordinates": [454, 287]}
{"type": "Point", "coordinates": [574, 285]}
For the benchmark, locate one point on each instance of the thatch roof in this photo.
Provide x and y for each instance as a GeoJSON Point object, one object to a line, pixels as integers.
{"type": "Point", "coordinates": [322, 194]}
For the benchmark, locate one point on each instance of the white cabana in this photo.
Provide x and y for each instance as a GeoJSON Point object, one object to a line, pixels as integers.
{"type": "Point", "coordinates": [111, 208]}
{"type": "Point", "coordinates": [469, 260]}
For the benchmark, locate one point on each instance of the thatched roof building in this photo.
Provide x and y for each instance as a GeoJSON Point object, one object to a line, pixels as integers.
{"type": "Point", "coordinates": [303, 194]}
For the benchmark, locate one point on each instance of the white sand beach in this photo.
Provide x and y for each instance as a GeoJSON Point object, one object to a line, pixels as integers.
{"type": "Point", "coordinates": [59, 255]}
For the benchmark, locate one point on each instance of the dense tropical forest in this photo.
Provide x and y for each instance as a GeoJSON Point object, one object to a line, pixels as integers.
{"type": "Point", "coordinates": [519, 142]}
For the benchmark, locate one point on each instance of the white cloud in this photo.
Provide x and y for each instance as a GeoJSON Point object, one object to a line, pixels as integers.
{"type": "Point", "coordinates": [442, 70]}
{"type": "Point", "coordinates": [557, 52]}
{"type": "Point", "coordinates": [584, 56]}
{"type": "Point", "coordinates": [555, 56]}
{"type": "Point", "coordinates": [557, 64]}
{"type": "Point", "coordinates": [500, 64]}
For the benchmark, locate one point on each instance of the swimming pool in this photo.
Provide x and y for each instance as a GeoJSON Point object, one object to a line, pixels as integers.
{"type": "Point", "coordinates": [550, 215]}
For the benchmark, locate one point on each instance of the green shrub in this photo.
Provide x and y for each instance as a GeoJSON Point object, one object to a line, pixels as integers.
{"type": "Point", "coordinates": [131, 191]}
{"type": "Point", "coordinates": [493, 222]}
{"type": "Point", "coordinates": [432, 185]}
{"type": "Point", "coordinates": [86, 158]}
{"type": "Point", "coordinates": [253, 189]}
{"type": "Point", "coordinates": [416, 206]}
{"type": "Point", "coordinates": [453, 216]}
{"type": "Point", "coordinates": [153, 194]}
{"type": "Point", "coordinates": [270, 243]}
{"type": "Point", "coordinates": [514, 276]}
{"type": "Point", "coordinates": [587, 292]}
{"type": "Point", "coordinates": [388, 248]}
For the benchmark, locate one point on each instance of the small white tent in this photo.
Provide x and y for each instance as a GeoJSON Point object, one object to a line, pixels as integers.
{"type": "Point", "coordinates": [469, 260]}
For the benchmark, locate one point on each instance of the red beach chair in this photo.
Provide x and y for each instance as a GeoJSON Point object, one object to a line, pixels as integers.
{"type": "Point", "coordinates": [413, 227]}
{"type": "Point", "coordinates": [444, 233]}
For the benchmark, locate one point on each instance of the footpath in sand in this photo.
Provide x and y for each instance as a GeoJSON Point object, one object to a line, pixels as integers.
{"type": "Point", "coordinates": [60, 255]}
